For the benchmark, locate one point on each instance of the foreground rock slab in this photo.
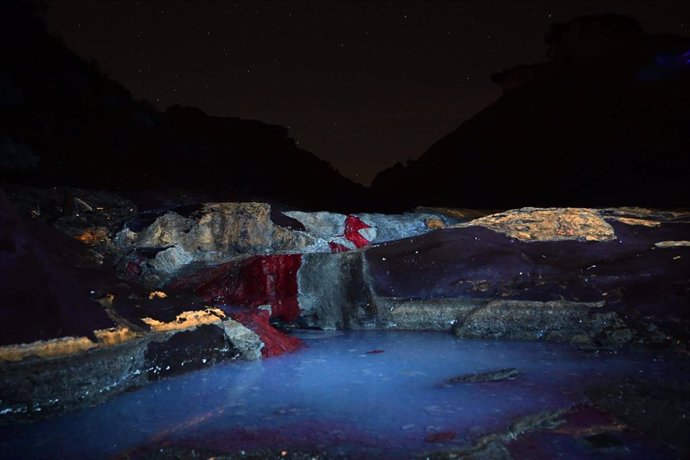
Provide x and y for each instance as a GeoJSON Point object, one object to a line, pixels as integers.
{"type": "Point", "coordinates": [45, 384]}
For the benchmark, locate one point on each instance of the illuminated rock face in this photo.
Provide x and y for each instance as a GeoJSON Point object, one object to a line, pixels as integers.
{"type": "Point", "coordinates": [555, 224]}
{"type": "Point", "coordinates": [334, 292]}
{"type": "Point", "coordinates": [221, 232]}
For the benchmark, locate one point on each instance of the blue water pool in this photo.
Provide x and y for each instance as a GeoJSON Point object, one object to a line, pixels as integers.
{"type": "Point", "coordinates": [359, 394]}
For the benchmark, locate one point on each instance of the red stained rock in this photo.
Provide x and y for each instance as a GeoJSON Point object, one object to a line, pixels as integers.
{"type": "Point", "coordinates": [352, 237]}
{"type": "Point", "coordinates": [353, 225]}
{"type": "Point", "coordinates": [586, 419]}
{"type": "Point", "coordinates": [570, 435]}
{"type": "Point", "coordinates": [251, 282]}
{"type": "Point", "coordinates": [133, 269]}
{"type": "Point", "coordinates": [337, 247]}
{"type": "Point", "coordinates": [442, 436]}
{"type": "Point", "coordinates": [275, 342]}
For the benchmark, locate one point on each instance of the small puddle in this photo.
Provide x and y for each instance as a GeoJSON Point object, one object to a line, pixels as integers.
{"type": "Point", "coordinates": [356, 394]}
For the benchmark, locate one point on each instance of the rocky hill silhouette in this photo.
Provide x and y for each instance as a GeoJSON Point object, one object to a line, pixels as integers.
{"type": "Point", "coordinates": [604, 122]}
{"type": "Point", "coordinates": [63, 121]}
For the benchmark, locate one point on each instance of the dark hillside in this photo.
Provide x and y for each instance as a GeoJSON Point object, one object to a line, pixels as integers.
{"type": "Point", "coordinates": [606, 122]}
{"type": "Point", "coordinates": [64, 122]}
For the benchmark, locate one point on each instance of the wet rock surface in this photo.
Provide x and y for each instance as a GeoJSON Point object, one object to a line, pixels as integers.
{"type": "Point", "coordinates": [592, 277]}
{"type": "Point", "coordinates": [274, 342]}
{"type": "Point", "coordinates": [509, 373]}
{"type": "Point", "coordinates": [585, 430]}
{"type": "Point", "coordinates": [188, 351]}
{"type": "Point", "coordinates": [653, 407]}
{"type": "Point", "coordinates": [333, 292]}
{"type": "Point", "coordinates": [533, 320]}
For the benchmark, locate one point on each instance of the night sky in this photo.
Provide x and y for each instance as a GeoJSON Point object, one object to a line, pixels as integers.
{"type": "Point", "coordinates": [360, 84]}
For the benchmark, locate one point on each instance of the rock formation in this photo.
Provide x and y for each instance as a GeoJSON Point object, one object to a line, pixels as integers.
{"type": "Point", "coordinates": [219, 232]}
{"type": "Point", "coordinates": [244, 273]}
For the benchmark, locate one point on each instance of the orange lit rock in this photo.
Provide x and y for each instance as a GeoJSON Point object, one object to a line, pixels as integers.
{"type": "Point", "coordinates": [434, 223]}
{"type": "Point", "coordinates": [157, 294]}
{"type": "Point", "coordinates": [549, 224]}
{"type": "Point", "coordinates": [94, 235]}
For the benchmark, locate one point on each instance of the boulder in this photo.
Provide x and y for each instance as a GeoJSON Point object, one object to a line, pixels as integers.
{"type": "Point", "coordinates": [334, 292]}
{"type": "Point", "coordinates": [274, 342]}
{"type": "Point", "coordinates": [217, 233]}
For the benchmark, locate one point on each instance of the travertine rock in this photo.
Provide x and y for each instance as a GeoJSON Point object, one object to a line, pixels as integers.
{"type": "Point", "coordinates": [554, 224]}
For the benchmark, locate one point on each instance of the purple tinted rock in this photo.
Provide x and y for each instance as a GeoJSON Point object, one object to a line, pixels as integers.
{"type": "Point", "coordinates": [45, 283]}
{"type": "Point", "coordinates": [628, 275]}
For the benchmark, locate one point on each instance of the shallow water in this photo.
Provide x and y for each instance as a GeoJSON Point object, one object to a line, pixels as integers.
{"type": "Point", "coordinates": [334, 396]}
